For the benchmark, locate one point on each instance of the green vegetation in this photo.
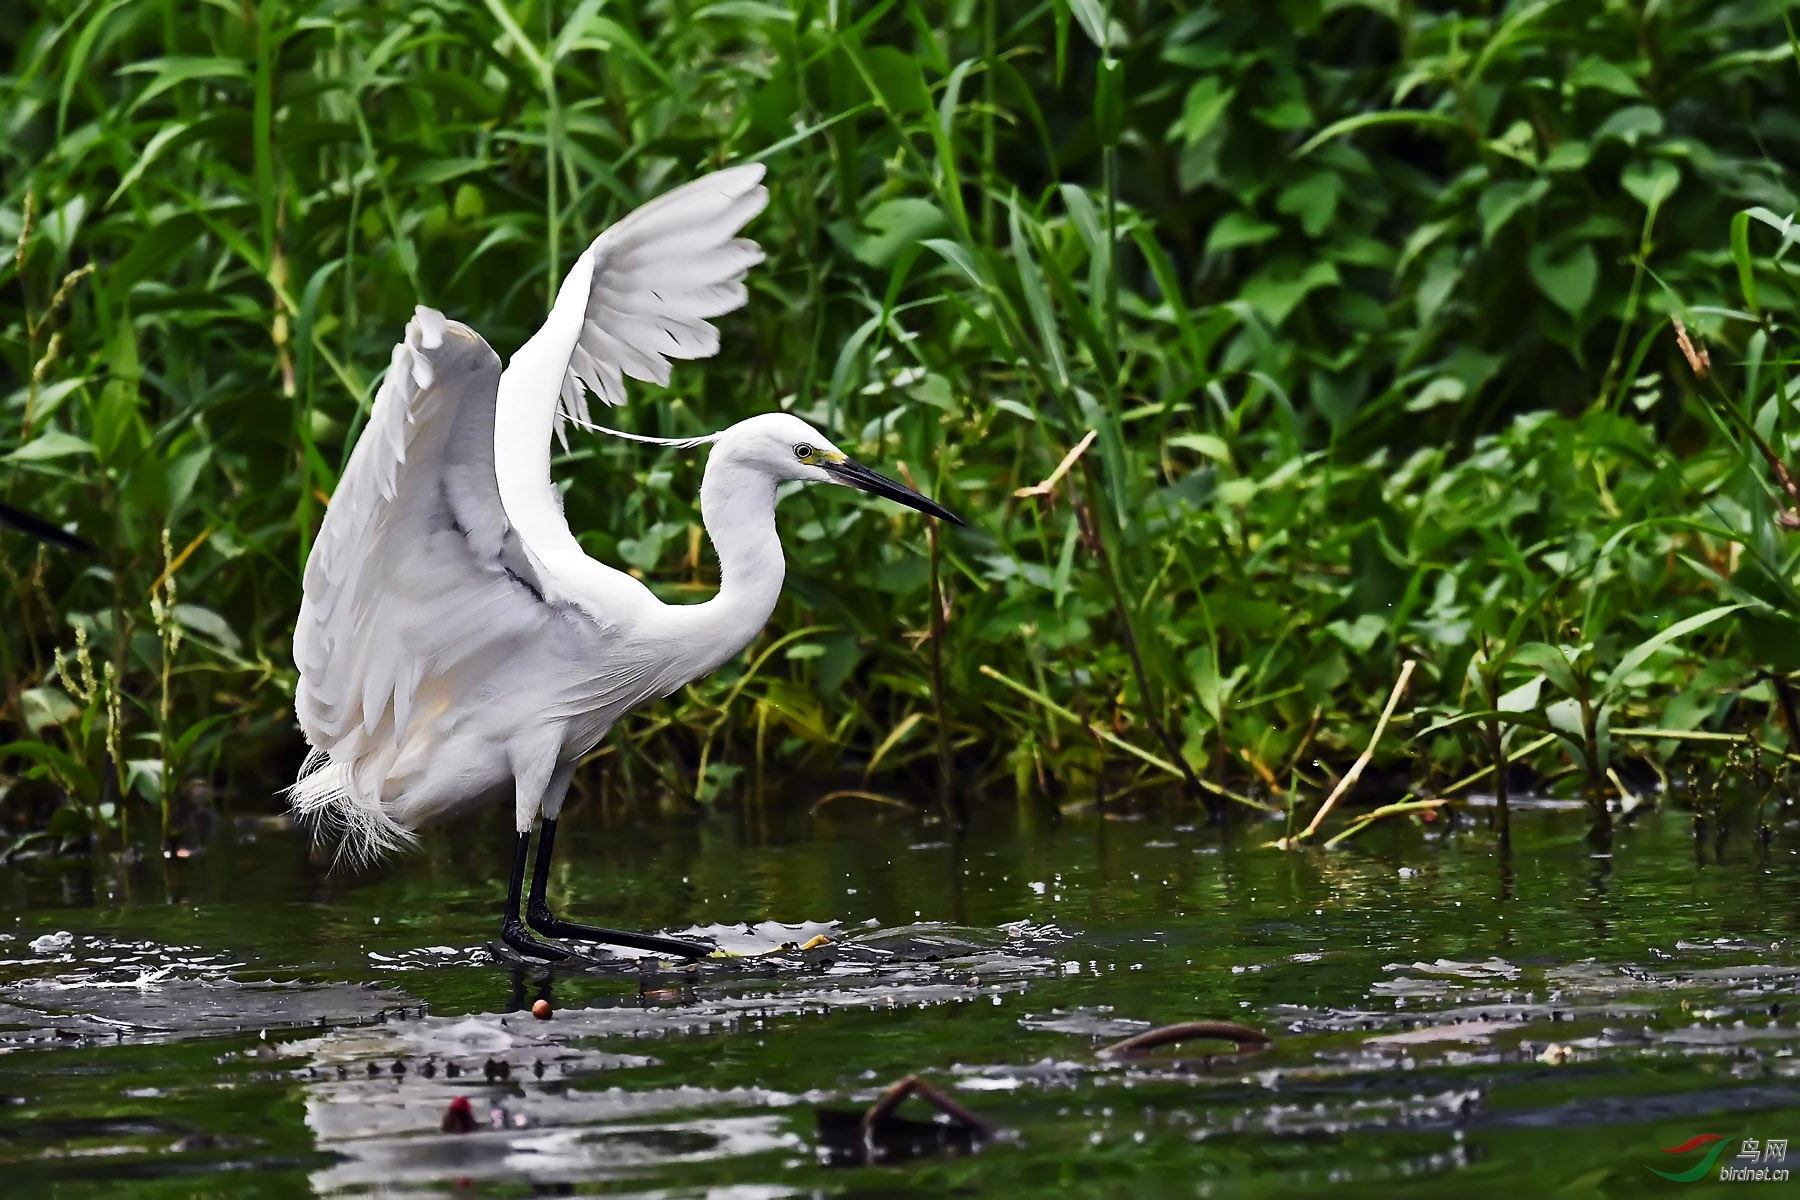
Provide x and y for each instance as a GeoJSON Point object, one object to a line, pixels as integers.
{"type": "Point", "coordinates": [1367, 306]}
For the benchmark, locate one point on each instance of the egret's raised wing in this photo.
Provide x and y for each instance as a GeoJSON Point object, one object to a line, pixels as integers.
{"type": "Point", "coordinates": [416, 571]}
{"type": "Point", "coordinates": [653, 280]}
{"type": "Point", "coordinates": [640, 295]}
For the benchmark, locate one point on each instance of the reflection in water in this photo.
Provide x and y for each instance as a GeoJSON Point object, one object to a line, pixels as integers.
{"type": "Point", "coordinates": [1435, 1009]}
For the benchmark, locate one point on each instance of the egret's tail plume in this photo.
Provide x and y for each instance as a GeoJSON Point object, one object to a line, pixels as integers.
{"type": "Point", "coordinates": [324, 801]}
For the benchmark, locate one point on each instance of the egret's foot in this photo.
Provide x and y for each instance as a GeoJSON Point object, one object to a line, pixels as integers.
{"type": "Point", "coordinates": [540, 918]}
{"type": "Point", "coordinates": [514, 934]}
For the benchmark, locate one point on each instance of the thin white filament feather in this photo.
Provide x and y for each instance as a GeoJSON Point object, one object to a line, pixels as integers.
{"type": "Point", "coordinates": [687, 443]}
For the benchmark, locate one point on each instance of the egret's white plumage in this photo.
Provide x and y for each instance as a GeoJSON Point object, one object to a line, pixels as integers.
{"type": "Point", "coordinates": [455, 644]}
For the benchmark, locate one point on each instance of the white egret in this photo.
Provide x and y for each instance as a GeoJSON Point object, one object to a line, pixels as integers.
{"type": "Point", "coordinates": [456, 646]}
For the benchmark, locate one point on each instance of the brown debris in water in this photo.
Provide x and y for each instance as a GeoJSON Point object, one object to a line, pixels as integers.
{"type": "Point", "coordinates": [1243, 1038]}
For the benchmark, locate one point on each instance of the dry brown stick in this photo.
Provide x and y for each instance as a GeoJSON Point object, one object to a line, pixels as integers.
{"type": "Point", "coordinates": [1062, 468]}
{"type": "Point", "coordinates": [913, 1085]}
{"type": "Point", "coordinates": [1701, 364]}
{"type": "Point", "coordinates": [1363, 760]}
{"type": "Point", "coordinates": [1187, 1031]}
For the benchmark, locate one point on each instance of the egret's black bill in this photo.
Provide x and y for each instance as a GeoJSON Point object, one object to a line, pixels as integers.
{"type": "Point", "coordinates": [875, 483]}
{"type": "Point", "coordinates": [41, 529]}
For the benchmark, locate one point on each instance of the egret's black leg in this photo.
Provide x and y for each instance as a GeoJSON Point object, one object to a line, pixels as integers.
{"type": "Point", "coordinates": [540, 918]}
{"type": "Point", "coordinates": [512, 930]}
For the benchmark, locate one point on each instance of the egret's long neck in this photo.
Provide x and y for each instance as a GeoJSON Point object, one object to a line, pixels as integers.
{"type": "Point", "coordinates": [737, 505]}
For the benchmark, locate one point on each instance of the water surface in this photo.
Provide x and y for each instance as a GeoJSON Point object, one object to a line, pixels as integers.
{"type": "Point", "coordinates": [244, 1021]}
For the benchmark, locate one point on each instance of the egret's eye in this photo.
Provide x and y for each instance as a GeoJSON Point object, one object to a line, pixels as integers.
{"type": "Point", "coordinates": [804, 452]}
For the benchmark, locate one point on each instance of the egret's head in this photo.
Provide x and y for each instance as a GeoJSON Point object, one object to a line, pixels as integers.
{"type": "Point", "coordinates": [788, 448]}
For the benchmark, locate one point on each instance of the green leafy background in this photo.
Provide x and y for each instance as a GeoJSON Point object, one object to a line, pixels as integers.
{"type": "Point", "coordinates": [1367, 306]}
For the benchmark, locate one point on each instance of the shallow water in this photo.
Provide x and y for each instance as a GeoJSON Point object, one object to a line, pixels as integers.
{"type": "Point", "coordinates": [243, 1022]}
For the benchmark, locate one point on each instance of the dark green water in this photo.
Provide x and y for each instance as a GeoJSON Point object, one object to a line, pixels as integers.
{"type": "Point", "coordinates": [232, 1023]}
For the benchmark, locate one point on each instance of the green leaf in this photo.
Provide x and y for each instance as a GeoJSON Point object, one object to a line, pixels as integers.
{"type": "Point", "coordinates": [1443, 271]}
{"type": "Point", "coordinates": [1037, 296]}
{"type": "Point", "coordinates": [441, 170]}
{"type": "Point", "coordinates": [176, 70]}
{"type": "Point", "coordinates": [1361, 634]}
{"type": "Point", "coordinates": [1740, 258]}
{"type": "Point", "coordinates": [958, 257]}
{"type": "Point", "coordinates": [157, 144]}
{"type": "Point", "coordinates": [116, 415]}
{"type": "Point", "coordinates": [1651, 182]}
{"type": "Point", "coordinates": [1567, 280]}
{"type": "Point", "coordinates": [1499, 203]}
{"type": "Point", "coordinates": [1275, 291]}
{"type": "Point", "coordinates": [1337, 129]}
{"type": "Point", "coordinates": [1642, 653]}
{"type": "Point", "coordinates": [184, 472]}
{"type": "Point", "coordinates": [1203, 443]}
{"type": "Point", "coordinates": [1630, 125]}
{"type": "Point", "coordinates": [643, 552]}
{"type": "Point", "coordinates": [1314, 199]}
{"type": "Point", "coordinates": [1238, 228]}
{"type": "Point", "coordinates": [898, 223]}
{"type": "Point", "coordinates": [746, 10]}
{"type": "Point", "coordinates": [1211, 689]}
{"type": "Point", "coordinates": [1568, 156]}
{"type": "Point", "coordinates": [61, 224]}
{"type": "Point", "coordinates": [1101, 30]}
{"type": "Point", "coordinates": [1596, 73]}
{"type": "Point", "coordinates": [1207, 102]}
{"type": "Point", "coordinates": [898, 80]}
{"type": "Point", "coordinates": [1444, 389]}
{"type": "Point", "coordinates": [43, 707]}
{"type": "Point", "coordinates": [209, 625]}
{"type": "Point", "coordinates": [52, 443]}
{"type": "Point", "coordinates": [1785, 226]}
{"type": "Point", "coordinates": [1552, 661]}
{"type": "Point", "coordinates": [1523, 698]}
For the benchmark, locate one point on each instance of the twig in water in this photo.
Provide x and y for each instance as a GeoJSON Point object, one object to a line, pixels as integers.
{"type": "Point", "coordinates": [1387, 810]}
{"type": "Point", "coordinates": [1362, 761]}
{"type": "Point", "coordinates": [912, 1085]}
{"type": "Point", "coordinates": [856, 794]}
{"type": "Point", "coordinates": [1694, 735]}
{"type": "Point", "coordinates": [1239, 1035]}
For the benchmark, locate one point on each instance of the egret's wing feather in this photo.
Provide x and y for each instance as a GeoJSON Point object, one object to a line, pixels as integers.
{"type": "Point", "coordinates": [640, 295]}
{"type": "Point", "coordinates": [654, 280]}
{"type": "Point", "coordinates": [417, 575]}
